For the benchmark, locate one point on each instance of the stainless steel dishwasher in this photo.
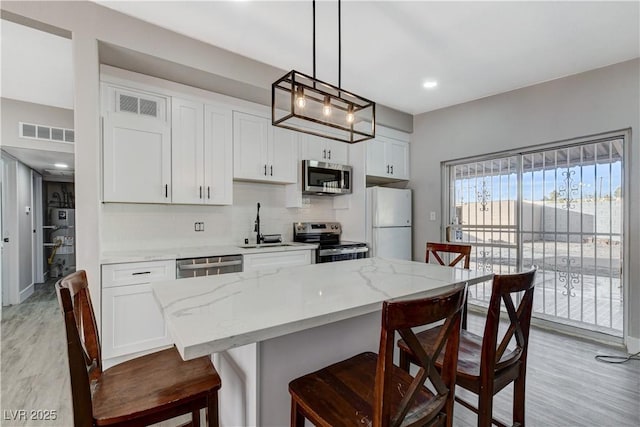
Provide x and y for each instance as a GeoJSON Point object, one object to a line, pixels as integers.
{"type": "Point", "coordinates": [208, 266]}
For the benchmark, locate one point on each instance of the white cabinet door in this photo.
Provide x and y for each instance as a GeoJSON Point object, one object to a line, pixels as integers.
{"type": "Point", "coordinates": [218, 155]}
{"type": "Point", "coordinates": [262, 152]}
{"type": "Point", "coordinates": [376, 159]}
{"type": "Point", "coordinates": [388, 158]}
{"type": "Point", "coordinates": [132, 321]}
{"type": "Point", "coordinates": [283, 156]}
{"type": "Point", "coordinates": [398, 158]}
{"type": "Point", "coordinates": [324, 150]}
{"type": "Point", "coordinates": [337, 152]}
{"type": "Point", "coordinates": [136, 159]}
{"type": "Point", "coordinates": [273, 260]}
{"type": "Point", "coordinates": [250, 140]}
{"type": "Point", "coordinates": [187, 148]}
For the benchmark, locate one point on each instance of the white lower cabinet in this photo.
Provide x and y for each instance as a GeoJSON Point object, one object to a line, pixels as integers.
{"type": "Point", "coordinates": [270, 260]}
{"type": "Point", "coordinates": [132, 322]}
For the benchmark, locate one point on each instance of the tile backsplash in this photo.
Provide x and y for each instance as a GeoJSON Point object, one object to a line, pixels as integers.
{"type": "Point", "coordinates": [140, 226]}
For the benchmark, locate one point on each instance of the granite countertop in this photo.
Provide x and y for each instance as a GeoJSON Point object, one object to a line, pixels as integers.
{"type": "Point", "coordinates": [116, 257]}
{"type": "Point", "coordinates": [206, 315]}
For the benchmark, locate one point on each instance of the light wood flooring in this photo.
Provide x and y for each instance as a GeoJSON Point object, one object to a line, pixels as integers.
{"type": "Point", "coordinates": [565, 385]}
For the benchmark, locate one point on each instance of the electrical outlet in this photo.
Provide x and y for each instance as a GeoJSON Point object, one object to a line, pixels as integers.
{"type": "Point", "coordinates": [198, 226]}
{"type": "Point", "coordinates": [432, 216]}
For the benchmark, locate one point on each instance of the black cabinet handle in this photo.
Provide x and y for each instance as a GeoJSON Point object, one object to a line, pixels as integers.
{"type": "Point", "coordinates": [391, 169]}
{"type": "Point", "coordinates": [141, 272]}
{"type": "Point", "coordinates": [208, 192]}
{"type": "Point", "coordinates": [387, 168]}
{"type": "Point", "coordinates": [166, 190]}
{"type": "Point", "coordinates": [324, 154]}
{"type": "Point", "coordinates": [265, 170]}
{"type": "Point", "coordinates": [271, 170]}
{"type": "Point", "coordinates": [329, 154]}
{"type": "Point", "coordinates": [201, 191]}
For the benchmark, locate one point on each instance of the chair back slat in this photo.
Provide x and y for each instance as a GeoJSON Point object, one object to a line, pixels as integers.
{"type": "Point", "coordinates": [505, 287]}
{"type": "Point", "coordinates": [83, 345]}
{"type": "Point", "coordinates": [403, 316]}
{"type": "Point", "coordinates": [435, 249]}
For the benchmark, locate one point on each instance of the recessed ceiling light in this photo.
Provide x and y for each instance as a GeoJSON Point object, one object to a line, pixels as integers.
{"type": "Point", "coordinates": [430, 84]}
{"type": "Point", "coordinates": [61, 165]}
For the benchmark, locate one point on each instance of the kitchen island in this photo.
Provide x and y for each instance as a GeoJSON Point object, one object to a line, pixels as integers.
{"type": "Point", "coordinates": [268, 327]}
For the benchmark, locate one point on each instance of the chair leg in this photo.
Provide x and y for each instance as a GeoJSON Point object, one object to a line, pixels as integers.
{"type": "Point", "coordinates": [485, 408]}
{"type": "Point", "coordinates": [404, 361]}
{"type": "Point", "coordinates": [195, 418]}
{"type": "Point", "coordinates": [297, 419]}
{"type": "Point", "coordinates": [212, 409]}
{"type": "Point", "coordinates": [518, 400]}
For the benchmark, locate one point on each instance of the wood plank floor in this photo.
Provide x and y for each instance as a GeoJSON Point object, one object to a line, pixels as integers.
{"type": "Point", "coordinates": [565, 385]}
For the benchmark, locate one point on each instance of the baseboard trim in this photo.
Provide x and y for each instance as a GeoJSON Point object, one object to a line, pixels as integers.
{"type": "Point", "coordinates": [25, 293]}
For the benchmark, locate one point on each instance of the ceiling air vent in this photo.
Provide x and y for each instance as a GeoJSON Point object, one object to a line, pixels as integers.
{"type": "Point", "coordinates": [45, 133]}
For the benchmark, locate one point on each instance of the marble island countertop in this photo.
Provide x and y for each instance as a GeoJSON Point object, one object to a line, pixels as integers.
{"type": "Point", "coordinates": [141, 255]}
{"type": "Point", "coordinates": [206, 315]}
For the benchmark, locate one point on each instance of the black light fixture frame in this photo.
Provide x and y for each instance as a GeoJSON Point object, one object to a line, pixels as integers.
{"type": "Point", "coordinates": [318, 91]}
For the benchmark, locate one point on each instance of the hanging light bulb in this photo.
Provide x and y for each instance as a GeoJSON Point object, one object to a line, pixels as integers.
{"type": "Point", "coordinates": [300, 99]}
{"type": "Point", "coordinates": [350, 116]}
{"type": "Point", "coordinates": [326, 108]}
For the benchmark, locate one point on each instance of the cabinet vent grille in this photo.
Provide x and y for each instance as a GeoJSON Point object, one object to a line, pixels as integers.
{"type": "Point", "coordinates": [129, 103]}
{"type": "Point", "coordinates": [148, 108]}
{"type": "Point", "coordinates": [46, 133]}
{"type": "Point", "coordinates": [136, 105]}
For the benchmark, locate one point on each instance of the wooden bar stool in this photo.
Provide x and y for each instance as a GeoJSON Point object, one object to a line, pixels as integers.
{"type": "Point", "coordinates": [464, 254]}
{"type": "Point", "coordinates": [486, 365]}
{"type": "Point", "coordinates": [142, 391]}
{"type": "Point", "coordinates": [368, 389]}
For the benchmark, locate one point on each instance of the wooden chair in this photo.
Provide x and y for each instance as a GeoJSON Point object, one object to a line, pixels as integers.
{"type": "Point", "coordinates": [368, 389]}
{"type": "Point", "coordinates": [464, 254]}
{"type": "Point", "coordinates": [486, 365]}
{"type": "Point", "coordinates": [435, 249]}
{"type": "Point", "coordinates": [142, 391]}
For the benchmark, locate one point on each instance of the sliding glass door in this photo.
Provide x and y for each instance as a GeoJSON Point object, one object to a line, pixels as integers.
{"type": "Point", "coordinates": [559, 208]}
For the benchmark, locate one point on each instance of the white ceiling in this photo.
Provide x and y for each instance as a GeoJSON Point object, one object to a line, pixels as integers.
{"type": "Point", "coordinates": [389, 48]}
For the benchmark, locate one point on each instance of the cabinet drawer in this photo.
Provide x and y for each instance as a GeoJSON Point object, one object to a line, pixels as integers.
{"type": "Point", "coordinates": [271, 260]}
{"type": "Point", "coordinates": [137, 273]}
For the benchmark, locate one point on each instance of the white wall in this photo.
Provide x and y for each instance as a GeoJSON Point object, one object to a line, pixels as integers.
{"type": "Point", "coordinates": [597, 101]}
{"type": "Point", "coordinates": [19, 111]}
{"type": "Point", "coordinates": [138, 226]}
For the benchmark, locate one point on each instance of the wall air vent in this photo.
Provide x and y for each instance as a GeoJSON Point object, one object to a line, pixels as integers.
{"type": "Point", "coordinates": [45, 133]}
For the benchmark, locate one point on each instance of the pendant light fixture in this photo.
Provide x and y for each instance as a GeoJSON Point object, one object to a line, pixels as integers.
{"type": "Point", "coordinates": [305, 104]}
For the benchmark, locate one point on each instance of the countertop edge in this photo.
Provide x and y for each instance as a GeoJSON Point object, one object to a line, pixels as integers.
{"type": "Point", "coordinates": [144, 255]}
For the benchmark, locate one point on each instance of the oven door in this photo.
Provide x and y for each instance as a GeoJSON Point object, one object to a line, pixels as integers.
{"type": "Point", "coordinates": [325, 178]}
{"type": "Point", "coordinates": [341, 254]}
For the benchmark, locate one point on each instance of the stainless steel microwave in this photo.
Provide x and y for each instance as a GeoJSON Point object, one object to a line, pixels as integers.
{"type": "Point", "coordinates": [325, 178]}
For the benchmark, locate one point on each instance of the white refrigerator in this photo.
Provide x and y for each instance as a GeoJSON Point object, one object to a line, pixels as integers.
{"type": "Point", "coordinates": [389, 222]}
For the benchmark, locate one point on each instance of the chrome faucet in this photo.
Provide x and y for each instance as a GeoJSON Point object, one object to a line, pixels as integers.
{"type": "Point", "coordinates": [256, 228]}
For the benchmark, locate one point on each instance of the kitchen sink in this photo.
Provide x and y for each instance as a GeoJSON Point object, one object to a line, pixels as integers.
{"type": "Point", "coordinates": [264, 245]}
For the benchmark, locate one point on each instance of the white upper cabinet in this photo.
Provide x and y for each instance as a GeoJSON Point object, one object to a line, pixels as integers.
{"type": "Point", "coordinates": [201, 153]}
{"type": "Point", "coordinates": [324, 150]}
{"type": "Point", "coordinates": [136, 157]}
{"type": "Point", "coordinates": [187, 151]}
{"type": "Point", "coordinates": [262, 152]}
{"type": "Point", "coordinates": [388, 159]}
{"type": "Point", "coordinates": [218, 155]}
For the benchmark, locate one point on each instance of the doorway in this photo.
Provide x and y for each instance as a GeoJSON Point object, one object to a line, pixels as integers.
{"type": "Point", "coordinates": [560, 208]}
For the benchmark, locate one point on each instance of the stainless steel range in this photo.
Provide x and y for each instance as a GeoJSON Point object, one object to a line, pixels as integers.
{"type": "Point", "coordinates": [327, 235]}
